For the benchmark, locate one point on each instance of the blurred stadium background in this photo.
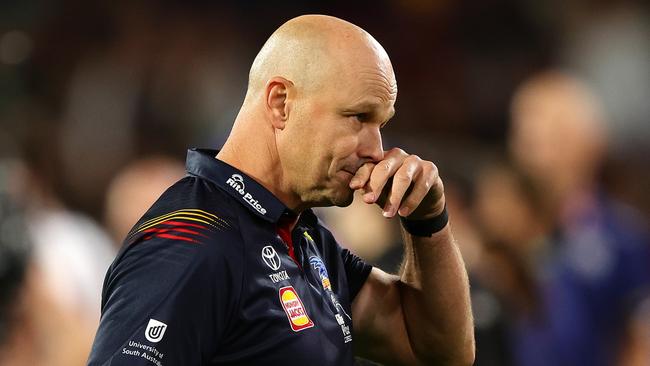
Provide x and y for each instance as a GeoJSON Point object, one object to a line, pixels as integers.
{"type": "Point", "coordinates": [536, 112]}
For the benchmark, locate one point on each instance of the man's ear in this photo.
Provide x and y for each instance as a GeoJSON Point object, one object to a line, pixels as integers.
{"type": "Point", "coordinates": [277, 100]}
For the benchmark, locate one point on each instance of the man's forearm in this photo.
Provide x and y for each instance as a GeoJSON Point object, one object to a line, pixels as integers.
{"type": "Point", "coordinates": [428, 305]}
{"type": "Point", "coordinates": [435, 299]}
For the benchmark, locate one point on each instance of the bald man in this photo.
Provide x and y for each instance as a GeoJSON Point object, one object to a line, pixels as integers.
{"type": "Point", "coordinates": [231, 267]}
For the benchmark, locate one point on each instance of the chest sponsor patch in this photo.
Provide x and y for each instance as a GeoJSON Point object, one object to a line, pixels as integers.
{"type": "Point", "coordinates": [294, 308]}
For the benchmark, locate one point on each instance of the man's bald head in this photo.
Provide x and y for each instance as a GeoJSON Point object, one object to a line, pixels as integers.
{"type": "Point", "coordinates": [312, 49]}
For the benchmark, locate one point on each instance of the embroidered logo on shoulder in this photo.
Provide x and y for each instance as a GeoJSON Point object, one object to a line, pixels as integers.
{"type": "Point", "coordinates": [155, 330]}
{"type": "Point", "coordinates": [271, 257]}
{"type": "Point", "coordinates": [319, 266]}
{"type": "Point", "coordinates": [236, 182]}
{"type": "Point", "coordinates": [272, 260]}
{"type": "Point", "coordinates": [293, 306]}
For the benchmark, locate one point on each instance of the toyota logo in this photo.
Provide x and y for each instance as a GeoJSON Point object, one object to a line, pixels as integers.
{"type": "Point", "coordinates": [271, 257]}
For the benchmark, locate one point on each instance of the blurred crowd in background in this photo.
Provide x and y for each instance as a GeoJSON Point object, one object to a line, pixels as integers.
{"type": "Point", "coordinates": [537, 114]}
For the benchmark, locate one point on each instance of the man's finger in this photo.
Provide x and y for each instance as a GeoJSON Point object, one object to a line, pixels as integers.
{"type": "Point", "coordinates": [361, 176]}
{"type": "Point", "coordinates": [383, 171]}
{"type": "Point", "coordinates": [422, 186]}
{"type": "Point", "coordinates": [402, 180]}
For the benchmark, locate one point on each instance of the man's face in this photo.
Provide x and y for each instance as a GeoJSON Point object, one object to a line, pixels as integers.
{"type": "Point", "coordinates": [336, 129]}
{"type": "Point", "coordinates": [554, 135]}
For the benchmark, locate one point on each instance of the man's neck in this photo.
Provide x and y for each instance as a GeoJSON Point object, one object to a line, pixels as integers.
{"type": "Point", "coordinates": [261, 164]}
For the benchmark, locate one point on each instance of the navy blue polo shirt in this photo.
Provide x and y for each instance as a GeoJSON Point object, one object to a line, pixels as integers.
{"type": "Point", "coordinates": [211, 275]}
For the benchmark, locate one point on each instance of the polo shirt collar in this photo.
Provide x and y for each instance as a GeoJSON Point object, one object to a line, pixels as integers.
{"type": "Point", "coordinates": [244, 189]}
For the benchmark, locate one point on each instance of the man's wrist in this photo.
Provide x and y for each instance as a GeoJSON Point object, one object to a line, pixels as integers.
{"type": "Point", "coordinates": [426, 227]}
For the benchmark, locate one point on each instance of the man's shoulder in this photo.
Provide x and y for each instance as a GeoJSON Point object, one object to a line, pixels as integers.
{"type": "Point", "coordinates": [192, 228]}
{"type": "Point", "coordinates": [192, 191]}
{"type": "Point", "coordinates": [192, 212]}
{"type": "Point", "coordinates": [191, 200]}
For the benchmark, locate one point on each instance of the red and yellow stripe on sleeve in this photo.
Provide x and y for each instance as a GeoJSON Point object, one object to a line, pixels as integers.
{"type": "Point", "coordinates": [190, 224]}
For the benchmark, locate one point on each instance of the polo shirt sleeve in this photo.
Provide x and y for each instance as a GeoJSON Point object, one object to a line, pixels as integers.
{"type": "Point", "coordinates": [356, 270]}
{"type": "Point", "coordinates": [167, 302]}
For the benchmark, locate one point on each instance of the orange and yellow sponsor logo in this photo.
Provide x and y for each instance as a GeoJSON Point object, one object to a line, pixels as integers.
{"type": "Point", "coordinates": [326, 283]}
{"type": "Point", "coordinates": [293, 306]}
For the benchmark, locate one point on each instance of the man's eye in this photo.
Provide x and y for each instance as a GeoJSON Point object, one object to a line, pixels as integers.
{"type": "Point", "coordinates": [361, 116]}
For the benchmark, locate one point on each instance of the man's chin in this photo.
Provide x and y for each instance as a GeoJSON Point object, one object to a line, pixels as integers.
{"type": "Point", "coordinates": [335, 196]}
{"type": "Point", "coordinates": [343, 199]}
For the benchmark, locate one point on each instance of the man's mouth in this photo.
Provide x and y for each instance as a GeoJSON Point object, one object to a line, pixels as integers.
{"type": "Point", "coordinates": [352, 169]}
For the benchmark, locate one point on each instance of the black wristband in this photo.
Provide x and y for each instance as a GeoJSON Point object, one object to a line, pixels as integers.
{"type": "Point", "coordinates": [426, 227]}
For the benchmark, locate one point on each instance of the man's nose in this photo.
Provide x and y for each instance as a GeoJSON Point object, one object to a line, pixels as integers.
{"type": "Point", "coordinates": [371, 145]}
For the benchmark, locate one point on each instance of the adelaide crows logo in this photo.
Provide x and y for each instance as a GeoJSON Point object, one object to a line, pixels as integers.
{"type": "Point", "coordinates": [319, 266]}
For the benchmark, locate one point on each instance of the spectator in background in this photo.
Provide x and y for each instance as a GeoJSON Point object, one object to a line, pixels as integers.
{"type": "Point", "coordinates": [509, 216]}
{"type": "Point", "coordinates": [148, 90]}
{"type": "Point", "coordinates": [34, 328]}
{"type": "Point", "coordinates": [135, 189]}
{"type": "Point", "coordinates": [511, 210]}
{"type": "Point", "coordinates": [597, 259]}
{"type": "Point", "coordinates": [71, 250]}
{"type": "Point", "coordinates": [636, 349]}
{"type": "Point", "coordinates": [14, 262]}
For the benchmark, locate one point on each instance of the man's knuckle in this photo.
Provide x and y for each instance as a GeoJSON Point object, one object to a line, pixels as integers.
{"type": "Point", "coordinates": [430, 166]}
{"type": "Point", "coordinates": [397, 151]}
{"type": "Point", "coordinates": [412, 159]}
{"type": "Point", "coordinates": [402, 178]}
{"type": "Point", "coordinates": [415, 157]}
{"type": "Point", "coordinates": [385, 165]}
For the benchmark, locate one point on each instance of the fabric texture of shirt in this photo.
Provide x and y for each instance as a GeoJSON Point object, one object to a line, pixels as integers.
{"type": "Point", "coordinates": [206, 278]}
